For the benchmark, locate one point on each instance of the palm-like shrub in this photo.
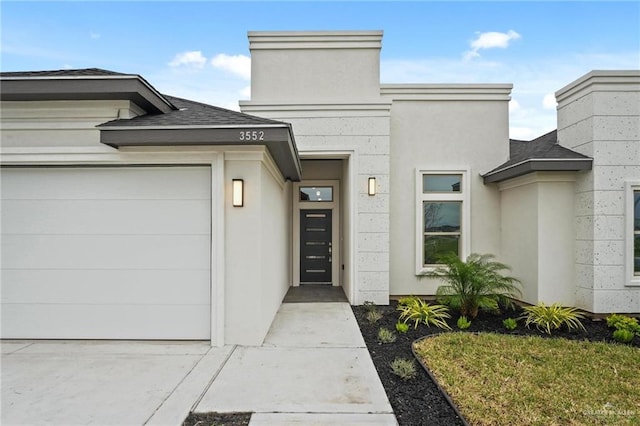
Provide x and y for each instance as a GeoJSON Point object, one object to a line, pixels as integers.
{"type": "Point", "coordinates": [477, 283]}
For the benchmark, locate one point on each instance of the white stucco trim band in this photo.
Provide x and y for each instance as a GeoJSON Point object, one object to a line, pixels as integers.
{"type": "Point", "coordinates": [600, 81]}
{"type": "Point", "coordinates": [447, 92]}
{"type": "Point", "coordinates": [264, 40]}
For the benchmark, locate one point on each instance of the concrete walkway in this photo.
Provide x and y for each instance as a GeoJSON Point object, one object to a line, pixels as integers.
{"type": "Point", "coordinates": [313, 369]}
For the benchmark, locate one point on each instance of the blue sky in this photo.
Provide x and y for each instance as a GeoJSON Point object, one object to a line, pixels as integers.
{"type": "Point", "coordinates": [199, 50]}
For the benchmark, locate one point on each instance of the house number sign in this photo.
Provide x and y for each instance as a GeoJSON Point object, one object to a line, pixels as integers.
{"type": "Point", "coordinates": [251, 135]}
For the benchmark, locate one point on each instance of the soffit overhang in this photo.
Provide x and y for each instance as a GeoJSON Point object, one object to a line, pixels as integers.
{"type": "Point", "coordinates": [278, 139]}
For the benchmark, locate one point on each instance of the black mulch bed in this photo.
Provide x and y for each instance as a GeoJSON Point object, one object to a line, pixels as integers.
{"type": "Point", "coordinates": [217, 419]}
{"type": "Point", "coordinates": [418, 401]}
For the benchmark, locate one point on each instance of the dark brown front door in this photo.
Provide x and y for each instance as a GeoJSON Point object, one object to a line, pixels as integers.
{"type": "Point", "coordinates": [315, 246]}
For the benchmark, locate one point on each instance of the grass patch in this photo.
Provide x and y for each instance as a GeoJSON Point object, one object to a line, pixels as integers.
{"type": "Point", "coordinates": [500, 379]}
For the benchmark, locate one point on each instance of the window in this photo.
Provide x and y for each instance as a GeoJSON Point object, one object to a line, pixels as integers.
{"type": "Point", "coordinates": [316, 193]}
{"type": "Point", "coordinates": [633, 233]}
{"type": "Point", "coordinates": [442, 217]}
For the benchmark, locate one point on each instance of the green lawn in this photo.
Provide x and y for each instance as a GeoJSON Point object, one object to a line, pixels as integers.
{"type": "Point", "coordinates": [512, 380]}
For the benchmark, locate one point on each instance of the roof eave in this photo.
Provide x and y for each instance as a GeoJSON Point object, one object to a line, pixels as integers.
{"type": "Point", "coordinates": [278, 140]}
{"type": "Point", "coordinates": [129, 87]}
{"type": "Point", "coordinates": [537, 165]}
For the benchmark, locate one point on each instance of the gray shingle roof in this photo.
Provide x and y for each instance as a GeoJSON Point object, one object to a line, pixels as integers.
{"type": "Point", "coordinates": [543, 153]}
{"type": "Point", "coordinates": [84, 72]}
{"type": "Point", "coordinates": [191, 113]}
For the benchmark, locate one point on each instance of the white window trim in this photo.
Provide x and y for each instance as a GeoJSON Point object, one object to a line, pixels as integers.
{"type": "Point", "coordinates": [465, 225]}
{"type": "Point", "coordinates": [631, 278]}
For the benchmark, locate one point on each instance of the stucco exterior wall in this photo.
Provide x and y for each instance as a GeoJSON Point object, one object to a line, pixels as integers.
{"type": "Point", "coordinates": [257, 248]}
{"type": "Point", "coordinates": [537, 235]}
{"type": "Point", "coordinates": [599, 116]}
{"type": "Point", "coordinates": [59, 123]}
{"type": "Point", "coordinates": [329, 91]}
{"type": "Point", "coordinates": [438, 127]}
{"type": "Point", "coordinates": [326, 66]}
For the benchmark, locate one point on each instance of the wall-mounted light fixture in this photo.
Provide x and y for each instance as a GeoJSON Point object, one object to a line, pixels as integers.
{"type": "Point", "coordinates": [372, 186]}
{"type": "Point", "coordinates": [237, 196]}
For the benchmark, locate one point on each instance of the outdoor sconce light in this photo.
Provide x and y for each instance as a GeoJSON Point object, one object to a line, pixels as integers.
{"type": "Point", "coordinates": [372, 186]}
{"type": "Point", "coordinates": [237, 197]}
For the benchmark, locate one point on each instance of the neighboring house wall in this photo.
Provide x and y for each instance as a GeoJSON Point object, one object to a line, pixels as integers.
{"type": "Point", "coordinates": [443, 128]}
{"type": "Point", "coordinates": [327, 86]}
{"type": "Point", "coordinates": [537, 232]}
{"type": "Point", "coordinates": [599, 116]}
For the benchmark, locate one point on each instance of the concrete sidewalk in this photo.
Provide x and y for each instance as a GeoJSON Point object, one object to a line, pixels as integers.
{"type": "Point", "coordinates": [313, 369]}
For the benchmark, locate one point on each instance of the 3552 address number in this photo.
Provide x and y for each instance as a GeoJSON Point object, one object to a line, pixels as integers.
{"type": "Point", "coordinates": [251, 135]}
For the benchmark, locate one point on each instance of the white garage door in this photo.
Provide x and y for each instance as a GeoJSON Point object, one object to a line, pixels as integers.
{"type": "Point", "coordinates": [106, 253]}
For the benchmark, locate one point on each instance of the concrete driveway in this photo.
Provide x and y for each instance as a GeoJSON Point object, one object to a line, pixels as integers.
{"type": "Point", "coordinates": [313, 369]}
{"type": "Point", "coordinates": [104, 383]}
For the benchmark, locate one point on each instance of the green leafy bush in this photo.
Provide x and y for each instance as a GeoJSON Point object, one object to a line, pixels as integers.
{"type": "Point", "coordinates": [510, 323]}
{"type": "Point", "coordinates": [552, 317]}
{"type": "Point", "coordinates": [373, 316]}
{"type": "Point", "coordinates": [623, 322]}
{"type": "Point", "coordinates": [623, 336]}
{"type": "Point", "coordinates": [419, 311]}
{"type": "Point", "coordinates": [463, 323]}
{"type": "Point", "coordinates": [404, 368]}
{"type": "Point", "coordinates": [386, 336]}
{"type": "Point", "coordinates": [477, 283]}
{"type": "Point", "coordinates": [402, 327]}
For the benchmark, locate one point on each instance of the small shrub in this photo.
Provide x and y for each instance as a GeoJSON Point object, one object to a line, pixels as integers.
{"type": "Point", "coordinates": [374, 316]}
{"type": "Point", "coordinates": [419, 311]}
{"type": "Point", "coordinates": [463, 323]}
{"type": "Point", "coordinates": [510, 323]}
{"type": "Point", "coordinates": [552, 317]}
{"type": "Point", "coordinates": [405, 300]}
{"type": "Point", "coordinates": [623, 322]}
{"type": "Point", "coordinates": [402, 327]}
{"type": "Point", "coordinates": [386, 336]}
{"type": "Point", "coordinates": [623, 336]}
{"type": "Point", "coordinates": [370, 306]}
{"type": "Point", "coordinates": [404, 368]}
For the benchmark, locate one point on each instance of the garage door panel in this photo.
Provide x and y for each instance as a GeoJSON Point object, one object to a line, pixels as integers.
{"type": "Point", "coordinates": [114, 183]}
{"type": "Point", "coordinates": [105, 251]}
{"type": "Point", "coordinates": [108, 216]}
{"type": "Point", "coordinates": [105, 286]}
{"type": "Point", "coordinates": [105, 322]}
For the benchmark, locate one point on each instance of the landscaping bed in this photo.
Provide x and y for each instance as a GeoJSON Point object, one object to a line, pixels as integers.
{"type": "Point", "coordinates": [419, 401]}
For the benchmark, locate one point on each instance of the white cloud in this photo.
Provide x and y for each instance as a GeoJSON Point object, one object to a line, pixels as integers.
{"type": "Point", "coordinates": [239, 65]}
{"type": "Point", "coordinates": [94, 36]}
{"type": "Point", "coordinates": [490, 40]}
{"type": "Point", "coordinates": [514, 105]}
{"type": "Point", "coordinates": [191, 59]}
{"type": "Point", "coordinates": [246, 92]}
{"type": "Point", "coordinates": [549, 101]}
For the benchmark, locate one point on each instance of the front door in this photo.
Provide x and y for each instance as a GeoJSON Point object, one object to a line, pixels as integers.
{"type": "Point", "coordinates": [315, 246]}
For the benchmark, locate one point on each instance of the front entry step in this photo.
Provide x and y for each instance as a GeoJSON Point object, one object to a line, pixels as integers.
{"type": "Point", "coordinates": [309, 293]}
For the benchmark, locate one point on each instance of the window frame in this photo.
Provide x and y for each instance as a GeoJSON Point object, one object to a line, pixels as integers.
{"type": "Point", "coordinates": [464, 196]}
{"type": "Point", "coordinates": [632, 277]}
